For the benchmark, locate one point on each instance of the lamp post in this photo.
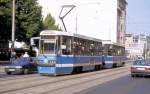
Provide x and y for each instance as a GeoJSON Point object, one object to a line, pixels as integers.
{"type": "Point", "coordinates": [13, 26]}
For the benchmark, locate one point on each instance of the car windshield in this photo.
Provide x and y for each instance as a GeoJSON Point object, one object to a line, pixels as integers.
{"type": "Point", "coordinates": [139, 62]}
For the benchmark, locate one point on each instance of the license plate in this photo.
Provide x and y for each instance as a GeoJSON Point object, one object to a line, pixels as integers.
{"type": "Point", "coordinates": [140, 68]}
{"type": "Point", "coordinates": [11, 69]}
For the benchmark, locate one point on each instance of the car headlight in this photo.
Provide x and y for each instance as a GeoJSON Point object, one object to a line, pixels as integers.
{"type": "Point", "coordinates": [18, 66]}
{"type": "Point", "coordinates": [6, 66]}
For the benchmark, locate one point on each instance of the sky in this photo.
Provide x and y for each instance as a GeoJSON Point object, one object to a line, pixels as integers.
{"type": "Point", "coordinates": [137, 18]}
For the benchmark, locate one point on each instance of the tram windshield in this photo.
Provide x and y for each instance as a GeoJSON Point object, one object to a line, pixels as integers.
{"type": "Point", "coordinates": [48, 46]}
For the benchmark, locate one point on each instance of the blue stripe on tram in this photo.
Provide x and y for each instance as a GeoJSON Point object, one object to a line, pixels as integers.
{"type": "Point", "coordinates": [65, 64]}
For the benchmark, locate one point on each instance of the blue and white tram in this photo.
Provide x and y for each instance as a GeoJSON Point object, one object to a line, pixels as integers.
{"type": "Point", "coordinates": [113, 55]}
{"type": "Point", "coordinates": [65, 53]}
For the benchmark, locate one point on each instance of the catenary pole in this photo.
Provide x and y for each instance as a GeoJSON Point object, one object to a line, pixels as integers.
{"type": "Point", "coordinates": [13, 25]}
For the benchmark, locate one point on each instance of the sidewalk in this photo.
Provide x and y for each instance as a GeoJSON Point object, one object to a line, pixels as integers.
{"type": "Point", "coordinates": [2, 69]}
{"type": "Point", "coordinates": [4, 62]}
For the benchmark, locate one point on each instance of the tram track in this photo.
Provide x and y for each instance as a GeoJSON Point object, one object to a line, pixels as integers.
{"type": "Point", "coordinates": [5, 77]}
{"type": "Point", "coordinates": [37, 77]}
{"type": "Point", "coordinates": [58, 80]}
{"type": "Point", "coordinates": [46, 88]}
{"type": "Point", "coordinates": [28, 79]}
{"type": "Point", "coordinates": [80, 83]}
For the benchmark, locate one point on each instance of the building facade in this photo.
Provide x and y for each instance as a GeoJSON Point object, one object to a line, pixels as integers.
{"type": "Point", "coordinates": [121, 21]}
{"type": "Point", "coordinates": [135, 45]}
{"type": "Point", "coordinates": [147, 48]}
{"type": "Point", "coordinates": [102, 19]}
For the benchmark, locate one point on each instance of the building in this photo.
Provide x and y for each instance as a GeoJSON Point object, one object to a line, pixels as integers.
{"type": "Point", "coordinates": [135, 45]}
{"type": "Point", "coordinates": [102, 19]}
{"type": "Point", "coordinates": [121, 21]}
{"type": "Point", "coordinates": [147, 47]}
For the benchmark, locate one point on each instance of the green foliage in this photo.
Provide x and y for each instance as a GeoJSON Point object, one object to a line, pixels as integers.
{"type": "Point", "coordinates": [5, 19]}
{"type": "Point", "coordinates": [49, 23]}
{"type": "Point", "coordinates": [28, 19]}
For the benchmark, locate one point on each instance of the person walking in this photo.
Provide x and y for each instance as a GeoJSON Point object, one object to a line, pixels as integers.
{"type": "Point", "coordinates": [13, 57]}
{"type": "Point", "coordinates": [26, 55]}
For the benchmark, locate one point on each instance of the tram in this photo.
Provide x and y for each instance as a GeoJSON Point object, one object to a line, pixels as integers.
{"type": "Point", "coordinates": [113, 55]}
{"type": "Point", "coordinates": [66, 53]}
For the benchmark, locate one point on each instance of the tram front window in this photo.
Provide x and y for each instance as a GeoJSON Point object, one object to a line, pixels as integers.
{"type": "Point", "coordinates": [48, 47]}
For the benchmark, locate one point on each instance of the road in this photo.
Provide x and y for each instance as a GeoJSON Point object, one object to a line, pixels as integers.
{"type": "Point", "coordinates": [123, 85]}
{"type": "Point", "coordinates": [69, 84]}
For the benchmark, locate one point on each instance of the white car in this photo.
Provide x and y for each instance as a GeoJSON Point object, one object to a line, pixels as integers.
{"type": "Point", "coordinates": [140, 67]}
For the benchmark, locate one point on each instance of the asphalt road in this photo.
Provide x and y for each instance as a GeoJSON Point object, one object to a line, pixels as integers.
{"type": "Point", "coordinates": [123, 85]}
{"type": "Point", "coordinates": [67, 84]}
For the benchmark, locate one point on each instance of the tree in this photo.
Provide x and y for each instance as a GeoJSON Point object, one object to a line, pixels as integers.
{"type": "Point", "coordinates": [28, 19]}
{"type": "Point", "coordinates": [49, 23]}
{"type": "Point", "coordinates": [5, 20]}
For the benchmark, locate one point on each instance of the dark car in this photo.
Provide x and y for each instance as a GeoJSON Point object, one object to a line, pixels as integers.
{"type": "Point", "coordinates": [140, 67]}
{"type": "Point", "coordinates": [21, 65]}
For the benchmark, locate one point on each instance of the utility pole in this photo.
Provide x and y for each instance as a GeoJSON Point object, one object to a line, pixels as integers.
{"type": "Point", "coordinates": [13, 26]}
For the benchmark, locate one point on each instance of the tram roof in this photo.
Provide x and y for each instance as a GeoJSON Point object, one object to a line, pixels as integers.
{"type": "Point", "coordinates": [111, 43]}
{"type": "Point", "coordinates": [54, 32]}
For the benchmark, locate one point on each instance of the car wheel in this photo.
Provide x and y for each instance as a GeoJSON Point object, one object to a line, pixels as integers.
{"type": "Point", "coordinates": [8, 73]}
{"type": "Point", "coordinates": [26, 71]}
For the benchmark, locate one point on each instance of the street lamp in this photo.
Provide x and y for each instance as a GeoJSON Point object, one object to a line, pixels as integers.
{"type": "Point", "coordinates": [13, 26]}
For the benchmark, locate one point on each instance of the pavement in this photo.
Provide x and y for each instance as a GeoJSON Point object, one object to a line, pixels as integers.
{"type": "Point", "coordinates": [2, 65]}
{"type": "Point", "coordinates": [2, 69]}
{"type": "Point", "coordinates": [4, 62]}
{"type": "Point", "coordinates": [123, 85]}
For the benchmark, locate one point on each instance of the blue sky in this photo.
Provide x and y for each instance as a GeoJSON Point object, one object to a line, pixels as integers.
{"type": "Point", "coordinates": [138, 16]}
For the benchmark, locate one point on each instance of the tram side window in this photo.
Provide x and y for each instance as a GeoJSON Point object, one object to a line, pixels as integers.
{"type": "Point", "coordinates": [77, 50]}
{"type": "Point", "coordinates": [121, 51]}
{"type": "Point", "coordinates": [86, 47]}
{"type": "Point", "coordinates": [92, 49]}
{"type": "Point", "coordinates": [66, 46]}
{"type": "Point", "coordinates": [108, 51]}
{"type": "Point", "coordinates": [98, 49]}
{"type": "Point", "coordinates": [81, 47]}
{"type": "Point", "coordinates": [115, 50]}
